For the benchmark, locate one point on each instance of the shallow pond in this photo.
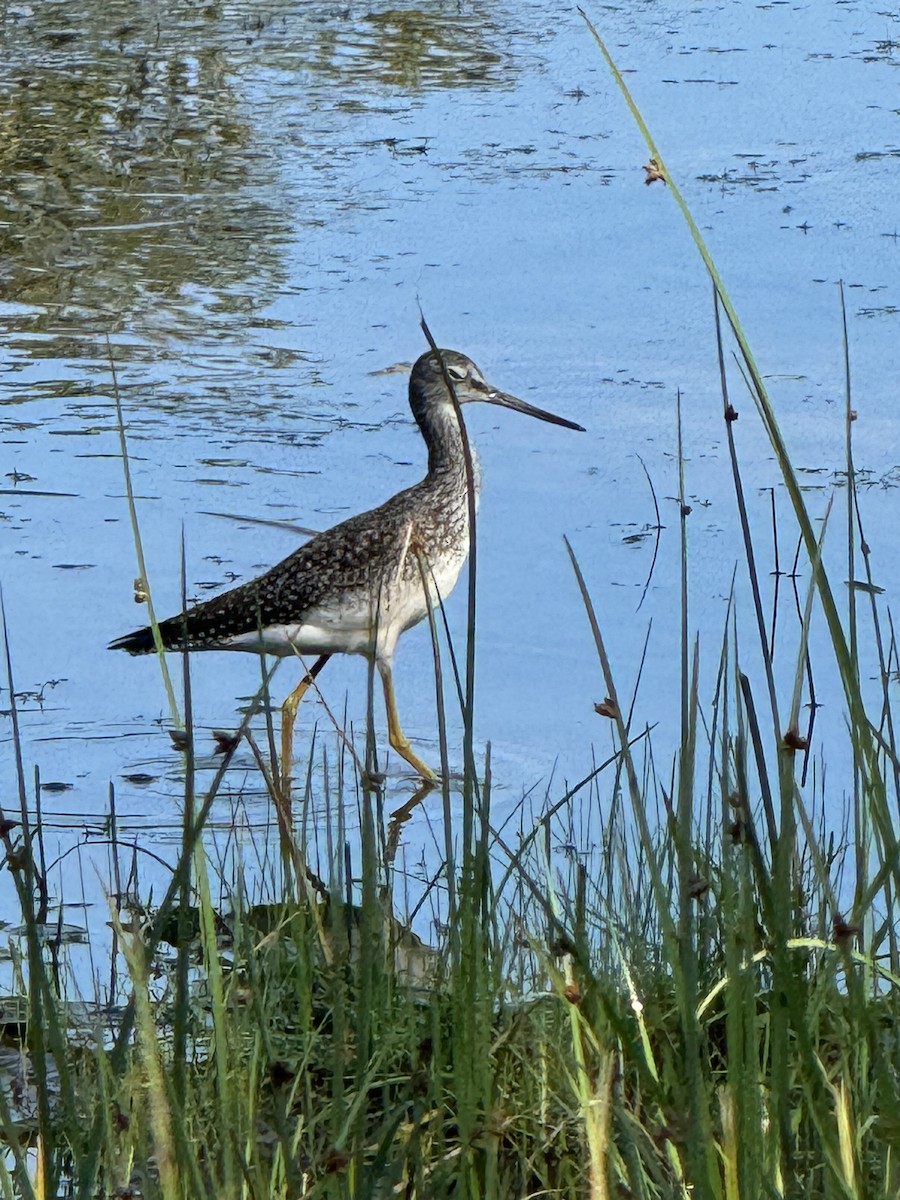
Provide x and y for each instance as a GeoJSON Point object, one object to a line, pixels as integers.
{"type": "Point", "coordinates": [252, 201]}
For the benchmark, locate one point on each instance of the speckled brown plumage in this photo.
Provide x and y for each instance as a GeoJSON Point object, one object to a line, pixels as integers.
{"type": "Point", "coordinates": [350, 563]}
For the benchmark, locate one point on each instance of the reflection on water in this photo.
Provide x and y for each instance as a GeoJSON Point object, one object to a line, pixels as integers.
{"type": "Point", "coordinates": [141, 174]}
{"type": "Point", "coordinates": [432, 46]}
{"type": "Point", "coordinates": [130, 169]}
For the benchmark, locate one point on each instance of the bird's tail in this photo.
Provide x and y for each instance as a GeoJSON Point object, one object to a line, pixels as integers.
{"type": "Point", "coordinates": [176, 634]}
{"type": "Point", "coordinates": [138, 642]}
{"type": "Point", "coordinates": [207, 626]}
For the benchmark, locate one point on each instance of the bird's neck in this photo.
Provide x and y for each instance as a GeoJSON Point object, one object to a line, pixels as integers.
{"type": "Point", "coordinates": [446, 455]}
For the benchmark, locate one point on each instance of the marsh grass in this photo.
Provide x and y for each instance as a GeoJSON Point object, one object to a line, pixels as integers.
{"type": "Point", "coordinates": [696, 995]}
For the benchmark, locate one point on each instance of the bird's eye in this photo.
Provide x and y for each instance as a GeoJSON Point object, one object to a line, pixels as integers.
{"type": "Point", "coordinates": [457, 373]}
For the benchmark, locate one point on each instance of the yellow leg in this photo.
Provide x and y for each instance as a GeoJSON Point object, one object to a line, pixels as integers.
{"type": "Point", "coordinates": [396, 736]}
{"type": "Point", "coordinates": [289, 716]}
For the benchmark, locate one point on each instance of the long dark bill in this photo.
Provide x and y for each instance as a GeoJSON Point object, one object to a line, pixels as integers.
{"type": "Point", "coordinates": [505, 400]}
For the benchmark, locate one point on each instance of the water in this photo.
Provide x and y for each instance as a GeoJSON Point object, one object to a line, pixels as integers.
{"type": "Point", "coordinates": [252, 205]}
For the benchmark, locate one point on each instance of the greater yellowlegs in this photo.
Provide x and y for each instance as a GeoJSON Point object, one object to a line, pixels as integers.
{"type": "Point", "coordinates": [355, 588]}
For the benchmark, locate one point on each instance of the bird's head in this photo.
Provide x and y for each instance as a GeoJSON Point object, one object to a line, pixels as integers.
{"type": "Point", "coordinates": [428, 387]}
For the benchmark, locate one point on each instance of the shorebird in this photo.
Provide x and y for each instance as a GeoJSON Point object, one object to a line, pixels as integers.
{"type": "Point", "coordinates": [355, 588]}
